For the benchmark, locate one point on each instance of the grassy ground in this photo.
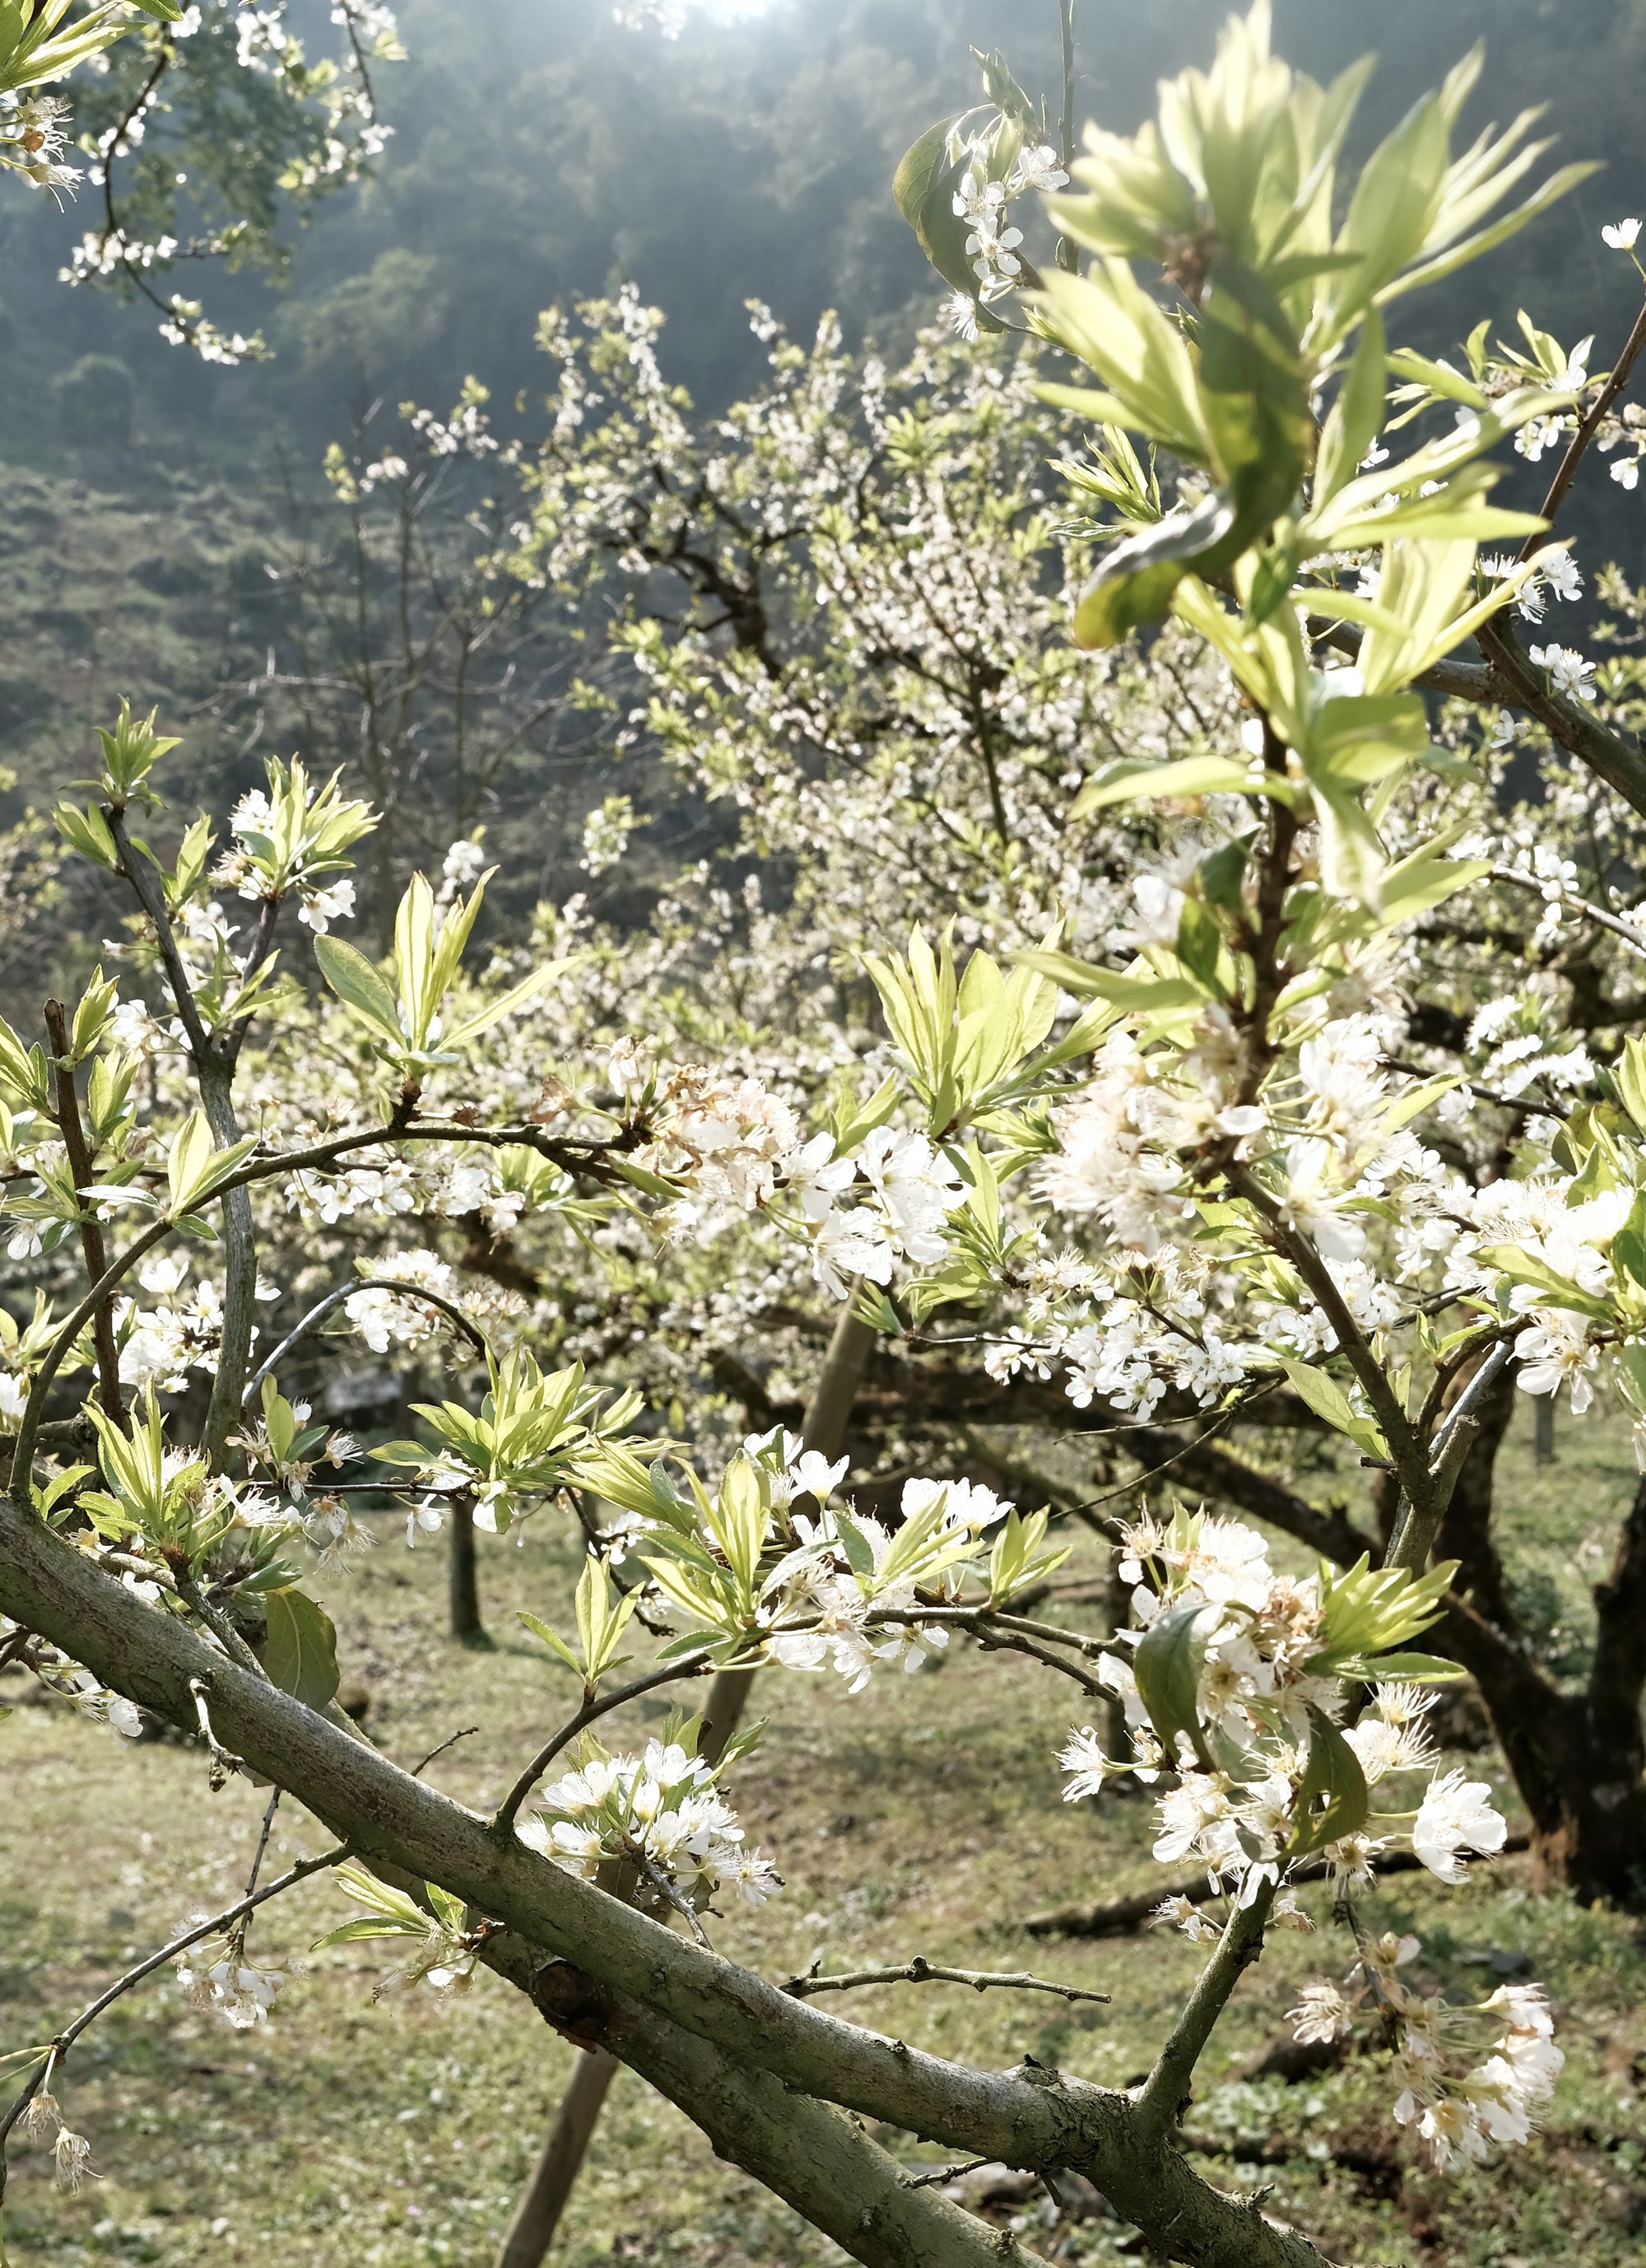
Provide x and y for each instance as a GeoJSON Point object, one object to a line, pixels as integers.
{"type": "Point", "coordinates": [923, 1816]}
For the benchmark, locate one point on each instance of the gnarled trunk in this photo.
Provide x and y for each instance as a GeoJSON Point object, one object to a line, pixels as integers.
{"type": "Point", "coordinates": [1578, 1759]}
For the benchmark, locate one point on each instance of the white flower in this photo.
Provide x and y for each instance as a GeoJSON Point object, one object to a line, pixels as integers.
{"type": "Point", "coordinates": [606, 832]}
{"type": "Point", "coordinates": [1036, 168]}
{"type": "Point", "coordinates": [1537, 435]}
{"type": "Point", "coordinates": [851, 1244]}
{"type": "Point", "coordinates": [1568, 672]}
{"type": "Point", "coordinates": [1082, 1758]}
{"type": "Point", "coordinates": [1626, 472]}
{"type": "Point", "coordinates": [816, 1176]}
{"type": "Point", "coordinates": [1182, 1913]}
{"type": "Point", "coordinates": [966, 1503]}
{"type": "Point", "coordinates": [1456, 1815]}
{"type": "Point", "coordinates": [320, 909]}
{"type": "Point", "coordinates": [1321, 2015]}
{"type": "Point", "coordinates": [463, 863]}
{"type": "Point", "coordinates": [1621, 235]}
{"type": "Point", "coordinates": [978, 200]}
{"type": "Point", "coordinates": [425, 1518]}
{"type": "Point", "coordinates": [958, 312]}
{"type": "Point", "coordinates": [1557, 1352]}
{"type": "Point", "coordinates": [71, 2160]}
{"type": "Point", "coordinates": [1313, 1202]}
{"type": "Point", "coordinates": [992, 251]}
{"type": "Point", "coordinates": [1561, 572]}
{"type": "Point", "coordinates": [917, 1186]}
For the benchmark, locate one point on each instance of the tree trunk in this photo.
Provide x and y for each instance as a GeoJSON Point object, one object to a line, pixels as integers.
{"type": "Point", "coordinates": [467, 1627]}
{"type": "Point", "coordinates": [1578, 1759]}
{"type": "Point", "coordinates": [544, 2200]}
{"type": "Point", "coordinates": [538, 2212]}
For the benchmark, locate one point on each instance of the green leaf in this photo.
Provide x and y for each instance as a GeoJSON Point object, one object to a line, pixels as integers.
{"type": "Point", "coordinates": [1554, 1290]}
{"type": "Point", "coordinates": [362, 1928]}
{"type": "Point", "coordinates": [300, 1653]}
{"type": "Point", "coordinates": [1333, 1777]}
{"type": "Point", "coordinates": [1167, 1664]}
{"type": "Point", "coordinates": [1134, 581]}
{"type": "Point", "coordinates": [88, 832]}
{"type": "Point", "coordinates": [553, 1640]}
{"type": "Point", "coordinates": [1134, 994]}
{"type": "Point", "coordinates": [1128, 781]}
{"type": "Point", "coordinates": [1630, 1075]}
{"type": "Point", "coordinates": [359, 985]}
{"type": "Point", "coordinates": [505, 1003]}
{"type": "Point", "coordinates": [1407, 1105]}
{"type": "Point", "coordinates": [858, 1550]}
{"type": "Point", "coordinates": [1629, 1246]}
{"type": "Point", "coordinates": [1252, 391]}
{"type": "Point", "coordinates": [1356, 416]}
{"type": "Point", "coordinates": [923, 187]}
{"type": "Point", "coordinates": [1200, 943]}
{"type": "Point", "coordinates": [1369, 1610]}
{"type": "Point", "coordinates": [1327, 1398]}
{"type": "Point", "coordinates": [1398, 1668]}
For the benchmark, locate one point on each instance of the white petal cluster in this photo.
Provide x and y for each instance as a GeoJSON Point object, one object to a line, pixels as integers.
{"type": "Point", "coordinates": [659, 1812]}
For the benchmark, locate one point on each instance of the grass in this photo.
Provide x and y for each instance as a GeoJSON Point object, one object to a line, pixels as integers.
{"type": "Point", "coordinates": [921, 1817]}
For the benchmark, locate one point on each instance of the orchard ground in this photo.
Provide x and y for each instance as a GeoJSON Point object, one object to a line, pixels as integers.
{"type": "Point", "coordinates": [398, 2132]}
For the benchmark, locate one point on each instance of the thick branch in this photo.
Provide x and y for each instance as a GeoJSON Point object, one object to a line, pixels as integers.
{"type": "Point", "coordinates": [1025, 2117]}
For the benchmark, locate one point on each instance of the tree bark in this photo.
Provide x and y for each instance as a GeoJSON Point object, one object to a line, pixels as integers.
{"type": "Point", "coordinates": [773, 2061]}
{"type": "Point", "coordinates": [463, 1586]}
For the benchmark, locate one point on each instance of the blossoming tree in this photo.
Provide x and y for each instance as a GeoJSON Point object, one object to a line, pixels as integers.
{"type": "Point", "coordinates": [225, 103]}
{"type": "Point", "coordinates": [1245, 1171]}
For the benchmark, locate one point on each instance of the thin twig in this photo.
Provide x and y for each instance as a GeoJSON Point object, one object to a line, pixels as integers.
{"type": "Point", "coordinates": [450, 1741]}
{"type": "Point", "coordinates": [946, 2173]}
{"type": "Point", "coordinates": [585, 1159]}
{"type": "Point", "coordinates": [60, 2045]}
{"type": "Point", "coordinates": [1404, 1446]}
{"type": "Point", "coordinates": [918, 1971]}
{"type": "Point", "coordinates": [262, 1840]}
{"type": "Point", "coordinates": [221, 1759]}
{"type": "Point", "coordinates": [333, 1300]}
{"type": "Point", "coordinates": [1566, 472]}
{"type": "Point", "coordinates": [669, 1891]}
{"type": "Point", "coordinates": [1599, 914]}
{"type": "Point", "coordinates": [216, 1621]}
{"type": "Point", "coordinates": [1121, 1917]}
{"type": "Point", "coordinates": [690, 1665]}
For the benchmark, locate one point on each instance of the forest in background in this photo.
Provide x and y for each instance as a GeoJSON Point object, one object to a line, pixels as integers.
{"type": "Point", "coordinates": [165, 510]}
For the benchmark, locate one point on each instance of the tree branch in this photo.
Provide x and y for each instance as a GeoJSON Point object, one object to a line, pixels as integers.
{"type": "Point", "coordinates": [919, 1971]}
{"type": "Point", "coordinates": [1028, 2117]}
{"type": "Point", "coordinates": [82, 1172]}
{"type": "Point", "coordinates": [333, 1300]}
{"type": "Point", "coordinates": [1166, 2088]}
